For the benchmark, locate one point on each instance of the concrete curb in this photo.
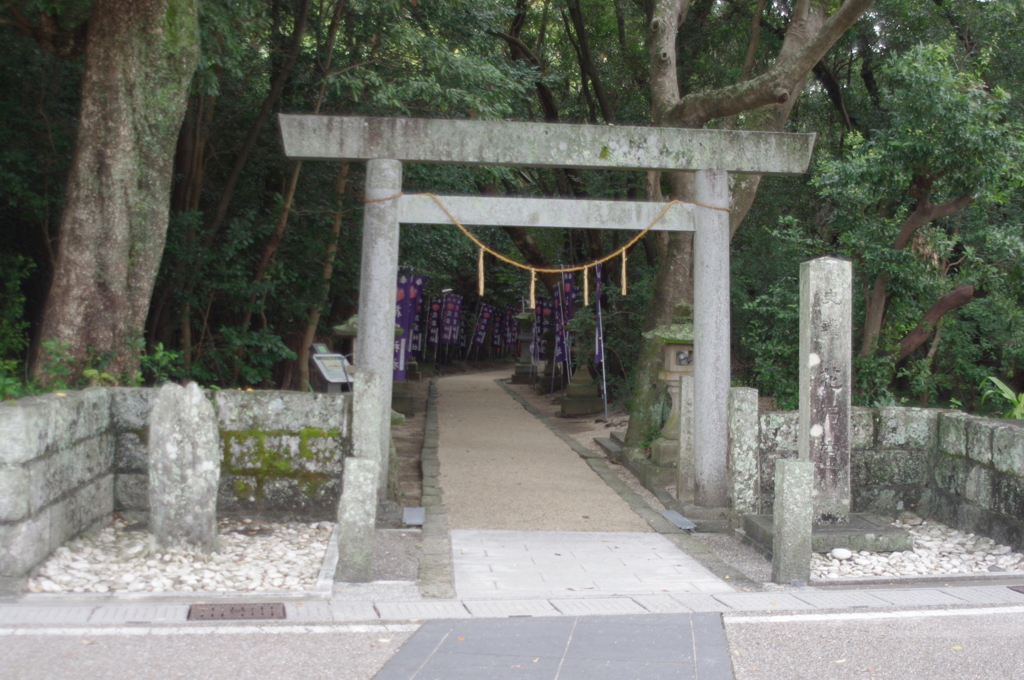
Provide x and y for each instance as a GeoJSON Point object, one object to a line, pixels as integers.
{"type": "Point", "coordinates": [436, 573]}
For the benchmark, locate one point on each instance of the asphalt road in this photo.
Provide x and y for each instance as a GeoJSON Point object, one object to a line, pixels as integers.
{"type": "Point", "coordinates": [957, 644]}
{"type": "Point", "coordinates": [214, 653]}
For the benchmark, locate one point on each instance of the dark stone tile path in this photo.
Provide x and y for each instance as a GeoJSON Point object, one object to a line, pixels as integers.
{"type": "Point", "coordinates": [644, 647]}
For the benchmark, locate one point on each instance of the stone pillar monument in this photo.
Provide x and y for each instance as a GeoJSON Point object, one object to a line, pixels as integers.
{"type": "Point", "coordinates": [378, 273]}
{"type": "Point", "coordinates": [184, 468]}
{"type": "Point", "coordinates": [826, 303]}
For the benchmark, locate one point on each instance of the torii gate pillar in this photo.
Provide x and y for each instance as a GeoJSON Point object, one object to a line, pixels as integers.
{"type": "Point", "coordinates": [377, 275]}
{"type": "Point", "coordinates": [711, 341]}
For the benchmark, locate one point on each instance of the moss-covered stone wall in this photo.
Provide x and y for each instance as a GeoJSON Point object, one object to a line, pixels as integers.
{"type": "Point", "coordinates": [964, 470]}
{"type": "Point", "coordinates": [283, 452]}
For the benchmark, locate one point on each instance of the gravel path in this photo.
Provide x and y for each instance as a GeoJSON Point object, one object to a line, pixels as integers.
{"type": "Point", "coordinates": [500, 470]}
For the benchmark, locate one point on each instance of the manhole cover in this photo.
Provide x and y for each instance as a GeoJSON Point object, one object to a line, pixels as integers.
{"type": "Point", "coordinates": [1019, 589]}
{"type": "Point", "coordinates": [236, 612]}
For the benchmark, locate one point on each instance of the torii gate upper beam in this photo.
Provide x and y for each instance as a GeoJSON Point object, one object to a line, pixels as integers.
{"type": "Point", "coordinates": [594, 147]}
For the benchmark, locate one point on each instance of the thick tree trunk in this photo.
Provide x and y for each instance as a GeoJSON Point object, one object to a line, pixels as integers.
{"type": "Point", "coordinates": [139, 60]}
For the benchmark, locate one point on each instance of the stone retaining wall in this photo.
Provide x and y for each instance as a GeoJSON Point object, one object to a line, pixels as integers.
{"type": "Point", "coordinates": [978, 476]}
{"type": "Point", "coordinates": [56, 455]}
{"type": "Point", "coordinates": [67, 460]}
{"type": "Point", "coordinates": [283, 451]}
{"type": "Point", "coordinates": [964, 470]}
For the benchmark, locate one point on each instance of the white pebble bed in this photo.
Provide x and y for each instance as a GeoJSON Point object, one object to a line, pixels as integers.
{"type": "Point", "coordinates": [114, 560]}
{"type": "Point", "coordinates": [937, 550]}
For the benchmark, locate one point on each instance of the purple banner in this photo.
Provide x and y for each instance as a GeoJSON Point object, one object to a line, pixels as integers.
{"type": "Point", "coordinates": [568, 294]}
{"type": "Point", "coordinates": [599, 324]}
{"type": "Point", "coordinates": [451, 318]}
{"type": "Point", "coordinates": [407, 297]}
{"type": "Point", "coordinates": [416, 344]}
{"type": "Point", "coordinates": [498, 331]}
{"type": "Point", "coordinates": [511, 327]}
{"type": "Point", "coordinates": [434, 321]}
{"type": "Point", "coordinates": [483, 322]}
{"type": "Point", "coordinates": [543, 320]}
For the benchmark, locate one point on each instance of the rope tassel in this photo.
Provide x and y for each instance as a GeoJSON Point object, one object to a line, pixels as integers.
{"type": "Point", "coordinates": [586, 289]}
{"type": "Point", "coordinates": [625, 282]}
{"type": "Point", "coordinates": [533, 288]}
{"type": "Point", "coordinates": [480, 273]}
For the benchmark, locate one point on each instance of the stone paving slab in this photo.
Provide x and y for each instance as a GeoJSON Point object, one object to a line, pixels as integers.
{"type": "Point", "coordinates": [552, 564]}
{"type": "Point", "coordinates": [762, 601]}
{"type": "Point", "coordinates": [315, 610]}
{"type": "Point", "coordinates": [426, 609]}
{"type": "Point", "coordinates": [603, 606]}
{"type": "Point", "coordinates": [645, 647]}
{"type": "Point", "coordinates": [701, 602]}
{"type": "Point", "coordinates": [506, 608]}
{"type": "Point", "coordinates": [661, 604]}
{"type": "Point", "coordinates": [353, 611]}
{"type": "Point", "coordinates": [840, 599]}
{"type": "Point", "coordinates": [985, 594]}
{"type": "Point", "coordinates": [921, 597]}
{"type": "Point", "coordinates": [55, 615]}
{"type": "Point", "coordinates": [140, 613]}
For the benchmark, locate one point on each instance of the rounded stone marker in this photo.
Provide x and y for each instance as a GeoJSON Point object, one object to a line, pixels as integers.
{"type": "Point", "coordinates": [841, 553]}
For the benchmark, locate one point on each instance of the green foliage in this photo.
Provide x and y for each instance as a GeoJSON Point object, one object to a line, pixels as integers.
{"type": "Point", "coordinates": [57, 364]}
{"type": "Point", "coordinates": [161, 365]}
{"type": "Point", "coordinates": [1003, 391]}
{"type": "Point", "coordinates": [11, 386]}
{"type": "Point", "coordinates": [13, 340]}
{"type": "Point", "coordinates": [771, 338]}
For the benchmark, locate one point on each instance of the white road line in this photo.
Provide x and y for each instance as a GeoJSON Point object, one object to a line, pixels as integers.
{"type": "Point", "coordinates": [737, 618]}
{"type": "Point", "coordinates": [215, 630]}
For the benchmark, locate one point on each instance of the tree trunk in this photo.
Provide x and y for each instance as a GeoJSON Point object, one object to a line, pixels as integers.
{"type": "Point", "coordinates": [808, 37]}
{"type": "Point", "coordinates": [328, 272]}
{"type": "Point", "coordinates": [587, 62]}
{"type": "Point", "coordinates": [139, 59]}
{"type": "Point", "coordinates": [924, 212]}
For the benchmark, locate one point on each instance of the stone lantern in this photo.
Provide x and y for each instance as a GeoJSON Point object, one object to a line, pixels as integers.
{"type": "Point", "coordinates": [672, 448]}
{"type": "Point", "coordinates": [525, 373]}
{"type": "Point", "coordinates": [401, 400]}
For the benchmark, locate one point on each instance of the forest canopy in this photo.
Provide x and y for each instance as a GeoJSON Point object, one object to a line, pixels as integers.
{"type": "Point", "coordinates": [226, 259]}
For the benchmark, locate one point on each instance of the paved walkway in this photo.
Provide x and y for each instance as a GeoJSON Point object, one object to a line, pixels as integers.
{"type": "Point", "coordinates": [503, 470]}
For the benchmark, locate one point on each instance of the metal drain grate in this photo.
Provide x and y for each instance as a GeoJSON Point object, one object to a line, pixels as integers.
{"type": "Point", "coordinates": [1019, 589]}
{"type": "Point", "coordinates": [236, 612]}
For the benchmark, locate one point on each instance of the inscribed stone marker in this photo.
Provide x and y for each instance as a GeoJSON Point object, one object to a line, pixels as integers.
{"type": "Point", "coordinates": [184, 468]}
{"type": "Point", "coordinates": [826, 297]}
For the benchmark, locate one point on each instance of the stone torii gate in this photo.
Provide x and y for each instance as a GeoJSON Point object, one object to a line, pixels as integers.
{"type": "Point", "coordinates": [386, 143]}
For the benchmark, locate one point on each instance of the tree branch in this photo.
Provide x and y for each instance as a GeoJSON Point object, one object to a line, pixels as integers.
{"type": "Point", "coordinates": [49, 35]}
{"type": "Point", "coordinates": [958, 297]}
{"type": "Point", "coordinates": [587, 62]}
{"type": "Point", "coordinates": [775, 86]}
{"type": "Point", "coordinates": [926, 212]}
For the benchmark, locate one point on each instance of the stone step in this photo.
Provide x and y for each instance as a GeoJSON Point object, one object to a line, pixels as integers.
{"type": "Point", "coordinates": [610, 446]}
{"type": "Point", "coordinates": [620, 437]}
